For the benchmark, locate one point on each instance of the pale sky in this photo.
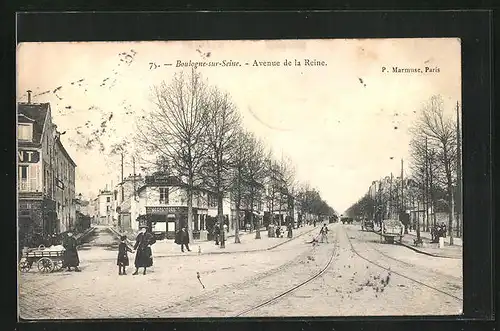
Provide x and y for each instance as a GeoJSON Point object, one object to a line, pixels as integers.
{"type": "Point", "coordinates": [336, 122]}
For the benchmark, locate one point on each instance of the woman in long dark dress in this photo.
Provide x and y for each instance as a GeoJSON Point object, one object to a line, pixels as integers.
{"type": "Point", "coordinates": [70, 256]}
{"type": "Point", "coordinates": [122, 260]}
{"type": "Point", "coordinates": [144, 255]}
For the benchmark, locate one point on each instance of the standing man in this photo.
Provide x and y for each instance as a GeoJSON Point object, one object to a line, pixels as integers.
{"type": "Point", "coordinates": [216, 233]}
{"type": "Point", "coordinates": [183, 239]}
{"type": "Point", "coordinates": [289, 228]}
{"type": "Point", "coordinates": [70, 257]}
{"type": "Point", "coordinates": [324, 233]}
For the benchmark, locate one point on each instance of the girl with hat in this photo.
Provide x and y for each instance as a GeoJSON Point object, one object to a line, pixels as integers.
{"type": "Point", "coordinates": [122, 260]}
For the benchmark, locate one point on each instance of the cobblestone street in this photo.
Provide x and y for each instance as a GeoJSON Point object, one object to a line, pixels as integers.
{"type": "Point", "coordinates": [237, 281]}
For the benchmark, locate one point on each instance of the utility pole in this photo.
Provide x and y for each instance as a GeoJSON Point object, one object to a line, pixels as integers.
{"type": "Point", "coordinates": [123, 193]}
{"type": "Point", "coordinates": [426, 188]}
{"type": "Point", "coordinates": [390, 198]}
{"type": "Point", "coordinates": [459, 178]}
{"type": "Point", "coordinates": [133, 166]}
{"type": "Point", "coordinates": [403, 214]}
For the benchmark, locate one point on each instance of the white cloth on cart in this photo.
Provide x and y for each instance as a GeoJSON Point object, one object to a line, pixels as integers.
{"type": "Point", "coordinates": [55, 248]}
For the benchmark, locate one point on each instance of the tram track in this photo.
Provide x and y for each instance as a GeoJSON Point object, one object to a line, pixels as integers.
{"type": "Point", "coordinates": [373, 246]}
{"type": "Point", "coordinates": [247, 285]}
{"type": "Point", "coordinates": [388, 268]}
{"type": "Point", "coordinates": [281, 295]}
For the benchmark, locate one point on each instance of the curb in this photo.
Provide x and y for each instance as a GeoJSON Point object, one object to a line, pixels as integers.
{"type": "Point", "coordinates": [427, 253]}
{"type": "Point", "coordinates": [85, 234]}
{"type": "Point", "coordinates": [245, 251]}
{"type": "Point", "coordinates": [414, 235]}
{"type": "Point", "coordinates": [224, 252]}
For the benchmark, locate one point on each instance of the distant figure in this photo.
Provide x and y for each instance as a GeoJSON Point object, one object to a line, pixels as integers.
{"type": "Point", "coordinates": [314, 222]}
{"type": "Point", "coordinates": [216, 232]}
{"type": "Point", "coordinates": [278, 232]}
{"type": "Point", "coordinates": [324, 232]}
{"type": "Point", "coordinates": [182, 238]}
{"type": "Point", "coordinates": [289, 228]}
{"type": "Point", "coordinates": [122, 260]}
{"type": "Point", "coordinates": [70, 257]}
{"type": "Point", "coordinates": [443, 230]}
{"type": "Point", "coordinates": [144, 255]}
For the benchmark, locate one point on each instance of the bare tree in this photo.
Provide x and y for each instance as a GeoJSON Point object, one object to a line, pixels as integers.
{"type": "Point", "coordinates": [222, 127]}
{"type": "Point", "coordinates": [240, 161]}
{"type": "Point", "coordinates": [176, 130]}
{"type": "Point", "coordinates": [255, 175]}
{"type": "Point", "coordinates": [441, 133]}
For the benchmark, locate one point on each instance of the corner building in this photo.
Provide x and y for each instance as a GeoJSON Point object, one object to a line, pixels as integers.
{"type": "Point", "coordinates": [45, 176]}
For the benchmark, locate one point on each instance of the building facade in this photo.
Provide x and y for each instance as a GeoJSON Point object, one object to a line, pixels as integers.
{"type": "Point", "coordinates": [46, 175]}
{"type": "Point", "coordinates": [127, 201]}
{"type": "Point", "coordinates": [105, 207]}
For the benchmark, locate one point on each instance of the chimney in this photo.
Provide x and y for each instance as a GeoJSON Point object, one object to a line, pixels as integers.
{"type": "Point", "coordinates": [29, 96]}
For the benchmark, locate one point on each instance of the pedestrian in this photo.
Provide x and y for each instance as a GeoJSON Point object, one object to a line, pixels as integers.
{"type": "Point", "coordinates": [122, 260]}
{"type": "Point", "coordinates": [278, 231]}
{"type": "Point", "coordinates": [70, 256]}
{"type": "Point", "coordinates": [182, 238]}
{"type": "Point", "coordinates": [324, 232]}
{"type": "Point", "coordinates": [144, 255]}
{"type": "Point", "coordinates": [443, 227]}
{"type": "Point", "coordinates": [216, 233]}
{"type": "Point", "coordinates": [289, 228]}
{"type": "Point", "coordinates": [314, 222]}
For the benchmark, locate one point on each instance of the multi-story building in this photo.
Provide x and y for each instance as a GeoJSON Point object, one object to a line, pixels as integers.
{"type": "Point", "coordinates": [94, 210]}
{"type": "Point", "coordinates": [106, 207]}
{"type": "Point", "coordinates": [46, 174]}
{"type": "Point", "coordinates": [126, 211]}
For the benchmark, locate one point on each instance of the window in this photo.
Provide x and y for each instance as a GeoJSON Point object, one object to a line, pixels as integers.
{"type": "Point", "coordinates": [108, 199]}
{"type": "Point", "coordinates": [23, 178]}
{"type": "Point", "coordinates": [164, 195]}
{"type": "Point", "coordinates": [212, 201]}
{"type": "Point", "coordinates": [25, 132]}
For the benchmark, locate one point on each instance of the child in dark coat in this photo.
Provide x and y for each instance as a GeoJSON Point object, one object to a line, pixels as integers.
{"type": "Point", "coordinates": [122, 260]}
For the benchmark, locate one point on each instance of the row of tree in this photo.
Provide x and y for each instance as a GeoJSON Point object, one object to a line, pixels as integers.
{"type": "Point", "coordinates": [435, 183]}
{"type": "Point", "coordinates": [195, 130]}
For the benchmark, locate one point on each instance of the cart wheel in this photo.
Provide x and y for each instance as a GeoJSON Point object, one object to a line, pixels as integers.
{"type": "Point", "coordinates": [24, 266]}
{"type": "Point", "coordinates": [57, 265]}
{"type": "Point", "coordinates": [45, 265]}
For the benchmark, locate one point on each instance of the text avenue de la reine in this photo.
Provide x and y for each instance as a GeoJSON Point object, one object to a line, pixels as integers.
{"type": "Point", "coordinates": [253, 63]}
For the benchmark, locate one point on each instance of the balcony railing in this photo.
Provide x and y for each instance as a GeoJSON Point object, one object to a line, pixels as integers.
{"type": "Point", "coordinates": [27, 186]}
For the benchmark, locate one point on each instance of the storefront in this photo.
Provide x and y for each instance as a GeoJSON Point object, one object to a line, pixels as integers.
{"type": "Point", "coordinates": [166, 221]}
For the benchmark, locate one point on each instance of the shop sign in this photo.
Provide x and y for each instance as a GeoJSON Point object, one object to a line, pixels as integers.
{"type": "Point", "coordinates": [28, 156]}
{"type": "Point", "coordinates": [166, 210]}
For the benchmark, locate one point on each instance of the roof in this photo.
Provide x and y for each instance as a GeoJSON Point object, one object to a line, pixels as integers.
{"type": "Point", "coordinates": [125, 206]}
{"type": "Point", "coordinates": [63, 150]}
{"type": "Point", "coordinates": [35, 113]}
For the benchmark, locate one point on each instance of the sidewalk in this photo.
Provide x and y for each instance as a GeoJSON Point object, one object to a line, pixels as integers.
{"type": "Point", "coordinates": [167, 247]}
{"type": "Point", "coordinates": [432, 249]}
{"type": "Point", "coordinates": [427, 235]}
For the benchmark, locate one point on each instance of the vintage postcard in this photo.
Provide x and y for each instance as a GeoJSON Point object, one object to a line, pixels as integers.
{"type": "Point", "coordinates": [239, 178]}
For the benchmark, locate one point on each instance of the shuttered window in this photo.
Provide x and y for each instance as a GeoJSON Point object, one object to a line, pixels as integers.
{"type": "Point", "coordinates": [25, 132]}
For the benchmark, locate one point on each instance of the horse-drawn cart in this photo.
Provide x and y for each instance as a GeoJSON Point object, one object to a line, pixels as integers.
{"type": "Point", "coordinates": [47, 259]}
